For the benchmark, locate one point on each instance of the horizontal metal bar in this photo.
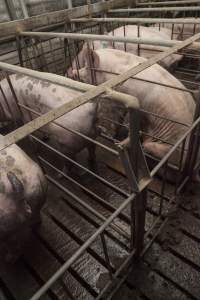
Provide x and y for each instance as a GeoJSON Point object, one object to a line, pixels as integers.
{"type": "Point", "coordinates": [132, 20]}
{"type": "Point", "coordinates": [97, 37]}
{"type": "Point", "coordinates": [167, 2]}
{"type": "Point", "coordinates": [154, 9]}
{"type": "Point", "coordinates": [81, 250]}
{"type": "Point", "coordinates": [120, 39]}
{"type": "Point", "coordinates": [97, 91]}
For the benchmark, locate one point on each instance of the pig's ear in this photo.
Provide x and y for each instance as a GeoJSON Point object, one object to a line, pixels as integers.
{"type": "Point", "coordinates": [90, 55]}
{"type": "Point", "coordinates": [17, 185]}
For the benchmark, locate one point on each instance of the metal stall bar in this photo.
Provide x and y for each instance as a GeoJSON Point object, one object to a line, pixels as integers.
{"type": "Point", "coordinates": [23, 131]}
{"type": "Point", "coordinates": [168, 3]}
{"type": "Point", "coordinates": [24, 8]}
{"type": "Point", "coordinates": [155, 9]}
{"type": "Point", "coordinates": [83, 248]}
{"type": "Point", "coordinates": [132, 20]}
{"type": "Point", "coordinates": [82, 36]}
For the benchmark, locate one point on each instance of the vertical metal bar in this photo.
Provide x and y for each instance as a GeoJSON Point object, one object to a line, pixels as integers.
{"type": "Point", "coordinates": [19, 49]}
{"type": "Point", "coordinates": [138, 207]}
{"type": "Point", "coordinates": [69, 3]}
{"type": "Point", "coordinates": [6, 101]}
{"type": "Point", "coordinates": [15, 98]}
{"type": "Point", "coordinates": [163, 188]}
{"type": "Point", "coordinates": [43, 56]}
{"type": "Point", "coordinates": [105, 250]}
{"type": "Point", "coordinates": [36, 54]}
{"type": "Point", "coordinates": [53, 55]}
{"type": "Point", "coordinates": [24, 8]}
{"type": "Point", "coordinates": [139, 218]}
{"type": "Point", "coordinates": [124, 36]}
{"type": "Point", "coordinates": [138, 35]}
{"type": "Point", "coordinates": [11, 9]}
{"type": "Point", "coordinates": [65, 52]}
{"type": "Point", "coordinates": [26, 54]}
{"type": "Point", "coordinates": [193, 146]}
{"type": "Point", "coordinates": [172, 35]}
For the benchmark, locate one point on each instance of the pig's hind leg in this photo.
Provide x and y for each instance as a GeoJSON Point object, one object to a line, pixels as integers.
{"type": "Point", "coordinates": [158, 150]}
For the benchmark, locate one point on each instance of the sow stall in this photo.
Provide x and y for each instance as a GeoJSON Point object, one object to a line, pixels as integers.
{"type": "Point", "coordinates": [101, 222]}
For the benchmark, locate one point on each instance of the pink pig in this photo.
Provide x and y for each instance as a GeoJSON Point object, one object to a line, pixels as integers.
{"type": "Point", "coordinates": [150, 33]}
{"type": "Point", "coordinates": [167, 102]}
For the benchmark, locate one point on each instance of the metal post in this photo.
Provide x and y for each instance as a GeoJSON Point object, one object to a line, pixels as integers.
{"type": "Point", "coordinates": [24, 8]}
{"type": "Point", "coordinates": [69, 3]}
{"type": "Point", "coordinates": [193, 147]}
{"type": "Point", "coordinates": [89, 8]}
{"type": "Point", "coordinates": [11, 9]}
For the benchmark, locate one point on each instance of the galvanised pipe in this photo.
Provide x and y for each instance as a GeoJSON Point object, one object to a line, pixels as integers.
{"type": "Point", "coordinates": [155, 9]}
{"type": "Point", "coordinates": [92, 37]}
{"type": "Point", "coordinates": [139, 20]}
{"type": "Point", "coordinates": [168, 2]}
{"type": "Point", "coordinates": [24, 8]}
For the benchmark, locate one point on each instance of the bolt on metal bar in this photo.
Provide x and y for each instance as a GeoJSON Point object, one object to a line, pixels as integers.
{"type": "Point", "coordinates": [155, 9]}
{"type": "Point", "coordinates": [168, 2]}
{"type": "Point", "coordinates": [132, 20]}
{"type": "Point", "coordinates": [87, 96]}
{"type": "Point", "coordinates": [84, 36]}
{"type": "Point", "coordinates": [80, 251]}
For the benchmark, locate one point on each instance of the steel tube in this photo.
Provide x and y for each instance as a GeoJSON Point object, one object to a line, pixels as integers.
{"type": "Point", "coordinates": [132, 20]}
{"type": "Point", "coordinates": [167, 156]}
{"type": "Point", "coordinates": [168, 2]}
{"type": "Point", "coordinates": [155, 9]}
{"type": "Point", "coordinates": [69, 3]}
{"type": "Point", "coordinates": [81, 250]}
{"type": "Point", "coordinates": [82, 36]}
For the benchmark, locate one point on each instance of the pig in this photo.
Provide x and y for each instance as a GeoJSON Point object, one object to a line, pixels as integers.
{"type": "Point", "coordinates": [22, 195]}
{"type": "Point", "coordinates": [146, 51]}
{"type": "Point", "coordinates": [43, 96]}
{"type": "Point", "coordinates": [181, 31]}
{"type": "Point", "coordinates": [170, 103]}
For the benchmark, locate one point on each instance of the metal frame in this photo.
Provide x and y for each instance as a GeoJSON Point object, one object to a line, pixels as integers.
{"type": "Point", "coordinates": [155, 9]}
{"type": "Point", "coordinates": [129, 151]}
{"type": "Point", "coordinates": [166, 3]}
